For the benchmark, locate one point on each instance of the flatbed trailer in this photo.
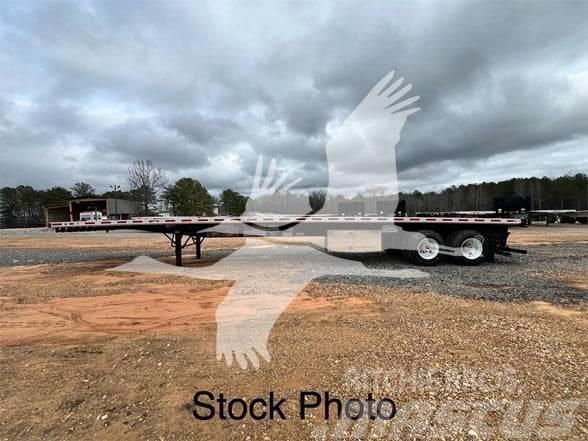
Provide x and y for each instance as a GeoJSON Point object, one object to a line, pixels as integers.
{"type": "Point", "coordinates": [468, 240]}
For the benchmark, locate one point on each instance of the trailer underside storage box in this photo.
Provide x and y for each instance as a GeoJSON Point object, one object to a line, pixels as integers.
{"type": "Point", "coordinates": [354, 241]}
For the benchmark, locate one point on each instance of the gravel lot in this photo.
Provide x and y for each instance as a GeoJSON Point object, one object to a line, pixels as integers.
{"type": "Point", "coordinates": [90, 354]}
{"type": "Point", "coordinates": [552, 272]}
{"type": "Point", "coordinates": [33, 257]}
{"type": "Point", "coordinates": [40, 246]}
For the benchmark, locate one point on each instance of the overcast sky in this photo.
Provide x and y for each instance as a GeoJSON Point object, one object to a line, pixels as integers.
{"type": "Point", "coordinates": [203, 88]}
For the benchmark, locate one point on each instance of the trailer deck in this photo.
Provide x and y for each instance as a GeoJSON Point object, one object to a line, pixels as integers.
{"type": "Point", "coordinates": [414, 235]}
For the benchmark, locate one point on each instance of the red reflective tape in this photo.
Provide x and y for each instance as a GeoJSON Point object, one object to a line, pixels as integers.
{"type": "Point", "coordinates": [432, 219]}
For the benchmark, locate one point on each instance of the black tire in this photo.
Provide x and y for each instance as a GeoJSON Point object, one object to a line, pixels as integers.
{"type": "Point", "coordinates": [393, 243]}
{"type": "Point", "coordinates": [426, 256]}
{"type": "Point", "coordinates": [479, 251]}
{"type": "Point", "coordinates": [398, 243]}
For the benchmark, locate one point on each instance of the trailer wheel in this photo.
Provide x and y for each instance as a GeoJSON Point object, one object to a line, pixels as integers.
{"type": "Point", "coordinates": [424, 247]}
{"type": "Point", "coordinates": [470, 247]}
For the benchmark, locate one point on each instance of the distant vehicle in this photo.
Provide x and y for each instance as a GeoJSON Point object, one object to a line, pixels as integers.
{"type": "Point", "coordinates": [512, 204]}
{"type": "Point", "coordinates": [90, 216]}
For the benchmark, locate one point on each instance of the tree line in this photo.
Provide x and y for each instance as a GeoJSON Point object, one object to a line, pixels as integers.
{"type": "Point", "coordinates": [564, 192]}
{"type": "Point", "coordinates": [23, 206]}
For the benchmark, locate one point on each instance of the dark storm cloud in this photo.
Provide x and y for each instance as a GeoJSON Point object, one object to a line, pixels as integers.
{"type": "Point", "coordinates": [500, 115]}
{"type": "Point", "coordinates": [203, 129]}
{"type": "Point", "coordinates": [204, 88]}
{"type": "Point", "coordinates": [145, 138]}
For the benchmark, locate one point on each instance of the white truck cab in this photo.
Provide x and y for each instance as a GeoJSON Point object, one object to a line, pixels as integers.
{"type": "Point", "coordinates": [90, 216]}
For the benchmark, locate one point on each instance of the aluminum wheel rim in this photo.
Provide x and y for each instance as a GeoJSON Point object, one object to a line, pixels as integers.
{"type": "Point", "coordinates": [472, 248]}
{"type": "Point", "coordinates": [428, 248]}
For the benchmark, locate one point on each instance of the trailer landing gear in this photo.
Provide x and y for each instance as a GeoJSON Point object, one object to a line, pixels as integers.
{"type": "Point", "coordinates": [177, 241]}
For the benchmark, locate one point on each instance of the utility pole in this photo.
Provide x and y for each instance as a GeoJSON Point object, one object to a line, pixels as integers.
{"type": "Point", "coordinates": [115, 189]}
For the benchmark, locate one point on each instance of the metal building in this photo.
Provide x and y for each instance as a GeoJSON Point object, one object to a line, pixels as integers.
{"type": "Point", "coordinates": [110, 208]}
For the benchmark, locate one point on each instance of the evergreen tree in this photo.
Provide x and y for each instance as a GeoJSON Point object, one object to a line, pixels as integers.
{"type": "Point", "coordinates": [188, 197]}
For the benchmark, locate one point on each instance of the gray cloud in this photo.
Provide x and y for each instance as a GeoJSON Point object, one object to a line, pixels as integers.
{"type": "Point", "coordinates": [204, 88]}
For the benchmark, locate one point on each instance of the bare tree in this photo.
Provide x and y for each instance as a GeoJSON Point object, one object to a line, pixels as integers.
{"type": "Point", "coordinates": [145, 181]}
